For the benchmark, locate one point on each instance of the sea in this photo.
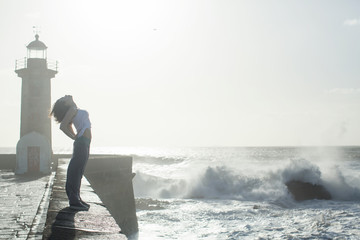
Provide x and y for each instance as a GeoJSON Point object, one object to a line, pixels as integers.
{"type": "Point", "coordinates": [240, 192]}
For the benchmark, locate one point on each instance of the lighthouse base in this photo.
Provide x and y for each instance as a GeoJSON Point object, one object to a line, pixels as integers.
{"type": "Point", "coordinates": [33, 154]}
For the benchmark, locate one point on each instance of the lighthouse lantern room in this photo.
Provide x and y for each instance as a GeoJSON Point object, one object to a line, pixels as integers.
{"type": "Point", "coordinates": [36, 49]}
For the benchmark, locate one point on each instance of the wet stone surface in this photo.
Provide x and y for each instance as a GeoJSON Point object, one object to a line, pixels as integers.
{"type": "Point", "coordinates": [20, 197]}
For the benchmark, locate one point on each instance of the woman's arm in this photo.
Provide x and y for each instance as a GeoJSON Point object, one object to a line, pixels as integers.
{"type": "Point", "coordinates": [66, 123]}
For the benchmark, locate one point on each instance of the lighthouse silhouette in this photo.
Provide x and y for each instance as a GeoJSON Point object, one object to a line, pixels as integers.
{"type": "Point", "coordinates": [34, 149]}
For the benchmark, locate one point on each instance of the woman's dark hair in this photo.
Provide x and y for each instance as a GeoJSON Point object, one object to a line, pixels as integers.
{"type": "Point", "coordinates": [59, 110]}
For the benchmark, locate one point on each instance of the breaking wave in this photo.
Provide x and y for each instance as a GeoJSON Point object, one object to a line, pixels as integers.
{"type": "Point", "coordinates": [223, 182]}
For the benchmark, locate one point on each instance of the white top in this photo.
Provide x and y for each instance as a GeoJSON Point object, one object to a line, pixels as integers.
{"type": "Point", "coordinates": [81, 122]}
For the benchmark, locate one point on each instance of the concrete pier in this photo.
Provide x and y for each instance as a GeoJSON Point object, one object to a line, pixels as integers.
{"type": "Point", "coordinates": [36, 206]}
{"type": "Point", "coordinates": [64, 223]}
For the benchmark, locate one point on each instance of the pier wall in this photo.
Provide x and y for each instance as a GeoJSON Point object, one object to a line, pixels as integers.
{"type": "Point", "coordinates": [8, 161]}
{"type": "Point", "coordinates": [111, 178]}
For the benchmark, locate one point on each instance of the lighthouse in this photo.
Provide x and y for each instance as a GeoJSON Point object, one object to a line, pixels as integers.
{"type": "Point", "coordinates": [34, 149]}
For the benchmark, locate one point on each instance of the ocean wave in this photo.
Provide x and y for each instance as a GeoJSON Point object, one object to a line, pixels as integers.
{"type": "Point", "coordinates": [146, 185]}
{"type": "Point", "coordinates": [150, 204]}
{"type": "Point", "coordinates": [156, 160]}
{"type": "Point", "coordinates": [213, 183]}
{"type": "Point", "coordinates": [340, 187]}
{"type": "Point", "coordinates": [221, 182]}
{"type": "Point", "coordinates": [301, 170]}
{"type": "Point", "coordinates": [331, 177]}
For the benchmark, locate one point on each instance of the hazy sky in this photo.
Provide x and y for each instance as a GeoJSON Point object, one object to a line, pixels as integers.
{"type": "Point", "coordinates": [191, 72]}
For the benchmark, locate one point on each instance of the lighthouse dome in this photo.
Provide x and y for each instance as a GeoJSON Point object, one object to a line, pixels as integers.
{"type": "Point", "coordinates": [37, 45]}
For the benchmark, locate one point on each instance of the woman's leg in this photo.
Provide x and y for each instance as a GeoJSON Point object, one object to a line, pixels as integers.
{"type": "Point", "coordinates": [75, 171]}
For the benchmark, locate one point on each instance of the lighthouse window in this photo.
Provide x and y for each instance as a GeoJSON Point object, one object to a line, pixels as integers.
{"type": "Point", "coordinates": [37, 54]}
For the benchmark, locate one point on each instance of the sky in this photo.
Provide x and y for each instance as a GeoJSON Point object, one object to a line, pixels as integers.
{"type": "Point", "coordinates": [193, 72]}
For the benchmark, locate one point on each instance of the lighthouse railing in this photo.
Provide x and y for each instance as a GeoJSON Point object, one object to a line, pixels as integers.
{"type": "Point", "coordinates": [22, 63]}
{"type": "Point", "coordinates": [52, 65]}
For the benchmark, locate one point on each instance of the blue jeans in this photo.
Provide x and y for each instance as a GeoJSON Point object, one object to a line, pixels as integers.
{"type": "Point", "coordinates": [76, 169]}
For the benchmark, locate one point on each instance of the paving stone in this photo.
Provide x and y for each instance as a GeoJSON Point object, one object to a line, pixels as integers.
{"type": "Point", "coordinates": [20, 198]}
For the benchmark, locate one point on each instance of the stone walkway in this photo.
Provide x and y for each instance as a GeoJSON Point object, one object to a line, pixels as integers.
{"type": "Point", "coordinates": [64, 223]}
{"type": "Point", "coordinates": [36, 207]}
{"type": "Point", "coordinates": [23, 205]}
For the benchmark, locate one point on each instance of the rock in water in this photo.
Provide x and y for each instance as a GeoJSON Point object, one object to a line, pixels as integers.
{"type": "Point", "coordinates": [306, 191]}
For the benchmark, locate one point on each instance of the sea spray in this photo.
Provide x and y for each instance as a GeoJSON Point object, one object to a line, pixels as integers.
{"type": "Point", "coordinates": [329, 176]}
{"type": "Point", "coordinates": [221, 182]}
{"type": "Point", "coordinates": [338, 185]}
{"type": "Point", "coordinates": [212, 183]}
{"type": "Point", "coordinates": [301, 170]}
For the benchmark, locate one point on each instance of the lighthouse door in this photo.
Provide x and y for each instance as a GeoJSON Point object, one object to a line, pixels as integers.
{"type": "Point", "coordinates": [33, 155]}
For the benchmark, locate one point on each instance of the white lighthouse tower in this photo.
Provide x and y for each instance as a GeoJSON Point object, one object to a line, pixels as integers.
{"type": "Point", "coordinates": [34, 151]}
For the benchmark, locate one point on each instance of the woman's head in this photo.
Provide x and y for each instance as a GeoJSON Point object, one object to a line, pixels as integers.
{"type": "Point", "coordinates": [61, 106]}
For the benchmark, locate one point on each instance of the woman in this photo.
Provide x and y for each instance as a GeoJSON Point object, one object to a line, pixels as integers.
{"type": "Point", "coordinates": [67, 114]}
